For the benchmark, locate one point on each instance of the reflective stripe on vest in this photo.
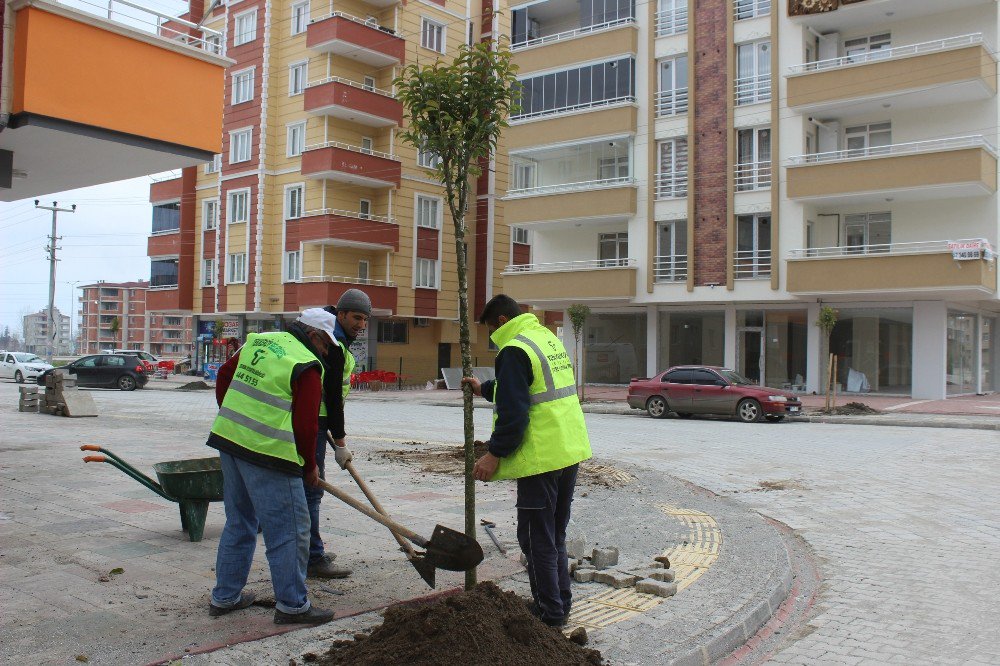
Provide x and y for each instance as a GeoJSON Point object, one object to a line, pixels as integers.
{"type": "Point", "coordinates": [256, 412]}
{"type": "Point", "coordinates": [556, 436]}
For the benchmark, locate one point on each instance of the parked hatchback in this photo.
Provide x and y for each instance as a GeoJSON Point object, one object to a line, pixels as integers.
{"type": "Point", "coordinates": [121, 371]}
{"type": "Point", "coordinates": [21, 365]}
{"type": "Point", "coordinates": [148, 360]}
{"type": "Point", "coordinates": [689, 390]}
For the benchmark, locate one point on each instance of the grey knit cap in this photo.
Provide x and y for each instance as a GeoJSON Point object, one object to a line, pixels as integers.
{"type": "Point", "coordinates": [355, 300]}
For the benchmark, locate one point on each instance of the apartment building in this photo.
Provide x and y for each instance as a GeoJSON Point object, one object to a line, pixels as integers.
{"type": "Point", "coordinates": [36, 333]}
{"type": "Point", "coordinates": [708, 175]}
{"type": "Point", "coordinates": [114, 315]}
{"type": "Point", "coordinates": [315, 193]}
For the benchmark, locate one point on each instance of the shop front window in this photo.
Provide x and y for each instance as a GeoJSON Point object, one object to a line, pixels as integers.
{"type": "Point", "coordinates": [990, 357]}
{"type": "Point", "coordinates": [961, 371]}
{"type": "Point", "coordinates": [691, 338]}
{"type": "Point", "coordinates": [874, 349]}
{"type": "Point", "coordinates": [614, 348]}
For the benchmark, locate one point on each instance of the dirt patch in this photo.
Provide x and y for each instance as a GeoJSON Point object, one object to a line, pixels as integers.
{"type": "Point", "coordinates": [854, 409]}
{"type": "Point", "coordinates": [195, 386]}
{"type": "Point", "coordinates": [451, 461]}
{"type": "Point", "coordinates": [785, 484]}
{"type": "Point", "coordinates": [486, 626]}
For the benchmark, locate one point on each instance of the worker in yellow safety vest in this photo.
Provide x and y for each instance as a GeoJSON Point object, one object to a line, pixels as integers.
{"type": "Point", "coordinates": [539, 438]}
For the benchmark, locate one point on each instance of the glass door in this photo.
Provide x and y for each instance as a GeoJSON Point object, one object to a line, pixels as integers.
{"type": "Point", "coordinates": [750, 354]}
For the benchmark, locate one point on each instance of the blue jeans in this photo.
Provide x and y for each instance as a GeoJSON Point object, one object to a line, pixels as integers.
{"type": "Point", "coordinates": [252, 493]}
{"type": "Point", "coordinates": [315, 495]}
{"type": "Point", "coordinates": [543, 510]}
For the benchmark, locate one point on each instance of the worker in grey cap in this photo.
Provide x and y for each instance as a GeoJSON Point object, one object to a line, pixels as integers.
{"type": "Point", "coordinates": [352, 312]}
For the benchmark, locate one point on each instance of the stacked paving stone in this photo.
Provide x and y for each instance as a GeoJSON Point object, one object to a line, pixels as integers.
{"type": "Point", "coordinates": [28, 399]}
{"type": "Point", "coordinates": [62, 398]}
{"type": "Point", "coordinates": [656, 579]}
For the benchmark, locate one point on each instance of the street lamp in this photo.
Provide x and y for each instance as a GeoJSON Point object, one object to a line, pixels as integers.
{"type": "Point", "coordinates": [72, 313]}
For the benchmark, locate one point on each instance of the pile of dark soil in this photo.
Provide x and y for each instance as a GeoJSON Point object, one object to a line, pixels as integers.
{"type": "Point", "coordinates": [451, 460]}
{"type": "Point", "coordinates": [854, 409]}
{"type": "Point", "coordinates": [195, 386]}
{"type": "Point", "coordinates": [486, 626]}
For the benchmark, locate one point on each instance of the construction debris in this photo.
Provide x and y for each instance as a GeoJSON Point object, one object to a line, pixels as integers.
{"type": "Point", "coordinates": [63, 398]}
{"type": "Point", "coordinates": [28, 399]}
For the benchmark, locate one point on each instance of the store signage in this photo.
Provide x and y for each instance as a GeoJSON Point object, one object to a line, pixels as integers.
{"type": "Point", "coordinates": [230, 328]}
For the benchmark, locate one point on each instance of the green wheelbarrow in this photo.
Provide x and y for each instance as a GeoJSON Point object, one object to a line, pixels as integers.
{"type": "Point", "coordinates": [191, 483]}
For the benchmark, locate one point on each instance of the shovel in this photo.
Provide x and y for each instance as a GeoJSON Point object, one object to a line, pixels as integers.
{"type": "Point", "coordinates": [446, 549]}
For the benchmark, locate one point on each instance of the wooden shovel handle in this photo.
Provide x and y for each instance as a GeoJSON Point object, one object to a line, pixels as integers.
{"type": "Point", "coordinates": [374, 515]}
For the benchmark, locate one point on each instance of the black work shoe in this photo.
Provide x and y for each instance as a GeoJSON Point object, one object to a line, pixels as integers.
{"type": "Point", "coordinates": [326, 569]}
{"type": "Point", "coordinates": [312, 616]}
{"type": "Point", "coordinates": [555, 622]}
{"type": "Point", "coordinates": [246, 600]}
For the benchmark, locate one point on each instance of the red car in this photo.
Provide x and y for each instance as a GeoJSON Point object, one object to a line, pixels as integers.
{"type": "Point", "coordinates": [695, 389]}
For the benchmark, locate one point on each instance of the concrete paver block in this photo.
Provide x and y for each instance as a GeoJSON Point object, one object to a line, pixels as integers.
{"type": "Point", "coordinates": [660, 589]}
{"type": "Point", "coordinates": [576, 547]}
{"type": "Point", "coordinates": [616, 579]}
{"type": "Point", "coordinates": [602, 558]}
{"type": "Point", "coordinates": [664, 575]}
{"type": "Point", "coordinates": [584, 575]}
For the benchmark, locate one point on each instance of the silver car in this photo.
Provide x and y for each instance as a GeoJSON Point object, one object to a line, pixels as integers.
{"type": "Point", "coordinates": [20, 366]}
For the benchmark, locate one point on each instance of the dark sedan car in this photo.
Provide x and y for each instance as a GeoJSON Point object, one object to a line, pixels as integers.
{"type": "Point", "coordinates": [688, 390]}
{"type": "Point", "coordinates": [121, 371]}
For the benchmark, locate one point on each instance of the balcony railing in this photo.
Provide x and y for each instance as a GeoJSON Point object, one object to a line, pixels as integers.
{"type": "Point", "coordinates": [748, 9]}
{"type": "Point", "coordinates": [354, 84]}
{"type": "Point", "coordinates": [347, 146]}
{"type": "Point", "coordinates": [673, 185]}
{"type": "Point", "coordinates": [753, 89]}
{"type": "Point", "coordinates": [919, 247]}
{"type": "Point", "coordinates": [751, 264]}
{"type": "Point", "coordinates": [672, 22]}
{"type": "Point", "coordinates": [561, 266]}
{"type": "Point", "coordinates": [570, 34]}
{"type": "Point", "coordinates": [150, 20]}
{"type": "Point", "coordinates": [910, 148]}
{"type": "Point", "coordinates": [348, 213]}
{"type": "Point", "coordinates": [671, 102]}
{"type": "Point", "coordinates": [346, 278]}
{"type": "Point", "coordinates": [887, 54]}
{"type": "Point", "coordinates": [670, 268]}
{"type": "Point", "coordinates": [571, 187]}
{"type": "Point", "coordinates": [628, 99]}
{"type": "Point", "coordinates": [753, 176]}
{"type": "Point", "coordinates": [371, 23]}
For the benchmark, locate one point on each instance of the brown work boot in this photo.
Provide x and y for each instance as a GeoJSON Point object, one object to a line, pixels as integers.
{"type": "Point", "coordinates": [325, 568]}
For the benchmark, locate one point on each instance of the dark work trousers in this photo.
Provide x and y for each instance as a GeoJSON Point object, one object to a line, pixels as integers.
{"type": "Point", "coordinates": [315, 495]}
{"type": "Point", "coordinates": [543, 508]}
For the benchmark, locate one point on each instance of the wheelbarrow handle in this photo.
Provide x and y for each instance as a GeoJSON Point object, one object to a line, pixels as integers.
{"type": "Point", "coordinates": [94, 459]}
{"type": "Point", "coordinates": [115, 461]}
{"type": "Point", "coordinates": [89, 447]}
{"type": "Point", "coordinates": [374, 515]}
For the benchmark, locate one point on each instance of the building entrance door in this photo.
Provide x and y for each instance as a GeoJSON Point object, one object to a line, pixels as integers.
{"type": "Point", "coordinates": [750, 354]}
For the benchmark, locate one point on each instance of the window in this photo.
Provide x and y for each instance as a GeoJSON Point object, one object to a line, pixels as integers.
{"type": "Point", "coordinates": [236, 268]}
{"type": "Point", "coordinates": [747, 9]}
{"type": "Point", "coordinates": [868, 232]}
{"type": "Point", "coordinates": [871, 139]}
{"type": "Point", "coordinates": [300, 17]}
{"type": "Point", "coordinates": [238, 208]}
{"type": "Point", "coordinates": [671, 248]}
{"type": "Point", "coordinates": [294, 194]}
{"type": "Point", "coordinates": [580, 88]}
{"type": "Point", "coordinates": [293, 266]}
{"type": "Point", "coordinates": [163, 273]}
{"type": "Point", "coordinates": [428, 212]}
{"type": "Point", "coordinates": [753, 159]}
{"type": "Point", "coordinates": [426, 273]}
{"type": "Point", "coordinates": [364, 266]}
{"type": "Point", "coordinates": [242, 86]}
{"type": "Point", "coordinates": [214, 166]}
{"type": "Point", "coordinates": [245, 27]}
{"type": "Point", "coordinates": [613, 168]}
{"type": "Point", "coordinates": [432, 35]}
{"type": "Point", "coordinates": [166, 218]}
{"type": "Point", "coordinates": [753, 246]}
{"type": "Point", "coordinates": [753, 76]}
{"type": "Point", "coordinates": [427, 158]}
{"type": "Point", "coordinates": [575, 166]}
{"type": "Point", "coordinates": [208, 272]}
{"type": "Point", "coordinates": [297, 74]}
{"type": "Point", "coordinates": [672, 179]}
{"type": "Point", "coordinates": [524, 176]}
{"type": "Point", "coordinates": [240, 142]}
{"type": "Point", "coordinates": [369, 83]}
{"type": "Point", "coordinates": [864, 49]}
{"type": "Point", "coordinates": [171, 335]}
{"type": "Point", "coordinates": [613, 249]}
{"type": "Point", "coordinates": [367, 144]}
{"type": "Point", "coordinates": [672, 98]}
{"type": "Point", "coordinates": [296, 138]}
{"type": "Point", "coordinates": [364, 209]}
{"type": "Point", "coordinates": [391, 332]}
{"type": "Point", "coordinates": [210, 214]}
{"type": "Point", "coordinates": [671, 17]}
{"type": "Point", "coordinates": [213, 44]}
{"type": "Point", "coordinates": [519, 235]}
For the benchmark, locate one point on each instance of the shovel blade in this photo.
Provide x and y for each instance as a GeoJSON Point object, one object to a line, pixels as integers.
{"type": "Point", "coordinates": [424, 568]}
{"type": "Point", "coordinates": [452, 550]}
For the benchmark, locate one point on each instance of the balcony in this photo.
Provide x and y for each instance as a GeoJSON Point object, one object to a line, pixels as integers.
{"type": "Point", "coordinates": [753, 89]}
{"type": "Point", "coordinates": [321, 290]}
{"type": "Point", "coordinates": [920, 170]}
{"type": "Point", "coordinates": [604, 40]}
{"type": "Point", "coordinates": [355, 38]}
{"type": "Point", "coordinates": [344, 228]}
{"type": "Point", "coordinates": [563, 129]}
{"type": "Point", "coordinates": [162, 245]}
{"type": "Point", "coordinates": [672, 21]}
{"type": "Point", "coordinates": [672, 185]}
{"type": "Point", "coordinates": [165, 299]}
{"type": "Point", "coordinates": [601, 200]}
{"type": "Point", "coordinates": [671, 102]}
{"type": "Point", "coordinates": [749, 9]}
{"type": "Point", "coordinates": [752, 176]}
{"type": "Point", "coordinates": [166, 189]}
{"type": "Point", "coordinates": [670, 268]}
{"type": "Point", "coordinates": [350, 164]}
{"type": "Point", "coordinates": [566, 281]}
{"type": "Point", "coordinates": [346, 99]}
{"type": "Point", "coordinates": [944, 71]}
{"type": "Point", "coordinates": [841, 15]}
{"type": "Point", "coordinates": [61, 79]}
{"type": "Point", "coordinates": [962, 268]}
{"type": "Point", "coordinates": [752, 264]}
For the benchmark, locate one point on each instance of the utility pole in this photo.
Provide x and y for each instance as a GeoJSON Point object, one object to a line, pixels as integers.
{"type": "Point", "coordinates": [52, 270]}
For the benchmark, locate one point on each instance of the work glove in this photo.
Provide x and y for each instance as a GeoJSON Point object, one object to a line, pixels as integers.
{"type": "Point", "coordinates": [342, 455]}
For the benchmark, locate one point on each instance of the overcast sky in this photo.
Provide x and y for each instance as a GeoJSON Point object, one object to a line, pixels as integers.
{"type": "Point", "coordinates": [105, 239]}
